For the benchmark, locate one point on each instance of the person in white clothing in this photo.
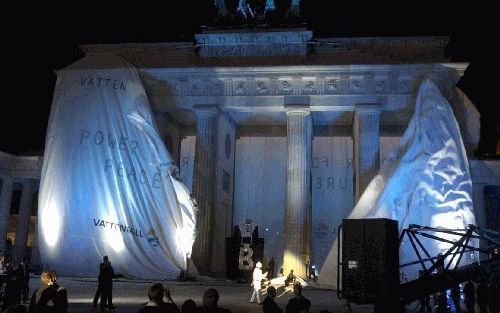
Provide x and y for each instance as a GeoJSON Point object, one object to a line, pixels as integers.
{"type": "Point", "coordinates": [257, 282]}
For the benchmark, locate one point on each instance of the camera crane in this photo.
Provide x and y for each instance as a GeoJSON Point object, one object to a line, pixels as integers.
{"type": "Point", "coordinates": [443, 272]}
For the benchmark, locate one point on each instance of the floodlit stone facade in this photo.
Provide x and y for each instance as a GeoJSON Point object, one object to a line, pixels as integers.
{"type": "Point", "coordinates": [280, 127]}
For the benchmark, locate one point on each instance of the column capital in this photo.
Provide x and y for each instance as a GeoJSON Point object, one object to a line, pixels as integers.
{"type": "Point", "coordinates": [303, 110]}
{"type": "Point", "coordinates": [204, 110]}
{"type": "Point", "coordinates": [367, 108]}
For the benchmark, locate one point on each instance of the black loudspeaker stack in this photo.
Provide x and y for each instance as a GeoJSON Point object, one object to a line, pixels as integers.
{"type": "Point", "coordinates": [235, 247]}
{"type": "Point", "coordinates": [370, 260]}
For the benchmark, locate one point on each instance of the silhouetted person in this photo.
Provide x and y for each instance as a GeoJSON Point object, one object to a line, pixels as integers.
{"type": "Point", "coordinates": [210, 300]}
{"type": "Point", "coordinates": [442, 305]}
{"type": "Point", "coordinates": [49, 297]}
{"type": "Point", "coordinates": [482, 296]}
{"type": "Point", "coordinates": [269, 305]}
{"type": "Point", "coordinates": [424, 300]}
{"type": "Point", "coordinates": [156, 303]}
{"type": "Point", "coordinates": [189, 306]}
{"type": "Point", "coordinates": [12, 293]}
{"type": "Point", "coordinates": [155, 295]}
{"type": "Point", "coordinates": [105, 285]}
{"type": "Point", "coordinates": [255, 235]}
{"type": "Point", "coordinates": [299, 303]}
{"type": "Point", "coordinates": [290, 279]}
{"type": "Point", "coordinates": [23, 278]}
{"type": "Point", "coordinates": [280, 274]}
{"type": "Point", "coordinates": [455, 296]}
{"type": "Point", "coordinates": [494, 296]}
{"type": "Point", "coordinates": [168, 305]}
{"type": "Point", "coordinates": [26, 281]}
{"type": "Point", "coordinates": [271, 267]}
{"type": "Point", "coordinates": [470, 296]}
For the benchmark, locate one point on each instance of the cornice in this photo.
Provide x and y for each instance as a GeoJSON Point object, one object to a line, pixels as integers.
{"type": "Point", "coordinates": [333, 80]}
{"type": "Point", "coordinates": [304, 70]}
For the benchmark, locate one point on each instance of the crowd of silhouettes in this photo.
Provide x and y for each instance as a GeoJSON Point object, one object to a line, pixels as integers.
{"type": "Point", "coordinates": [160, 301]}
{"type": "Point", "coordinates": [14, 283]}
{"type": "Point", "coordinates": [482, 296]}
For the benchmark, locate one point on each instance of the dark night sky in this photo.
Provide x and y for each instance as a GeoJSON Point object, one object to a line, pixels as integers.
{"type": "Point", "coordinates": [56, 37]}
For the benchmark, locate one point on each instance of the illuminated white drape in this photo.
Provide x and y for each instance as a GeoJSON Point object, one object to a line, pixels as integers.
{"type": "Point", "coordinates": [109, 186]}
{"type": "Point", "coordinates": [426, 180]}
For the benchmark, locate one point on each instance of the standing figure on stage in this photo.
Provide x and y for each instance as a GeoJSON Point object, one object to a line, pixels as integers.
{"type": "Point", "coordinates": [290, 279]}
{"type": "Point", "coordinates": [105, 284]}
{"type": "Point", "coordinates": [271, 268]}
{"type": "Point", "coordinates": [257, 282]}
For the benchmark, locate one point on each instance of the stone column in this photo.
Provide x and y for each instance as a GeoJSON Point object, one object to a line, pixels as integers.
{"type": "Point", "coordinates": [204, 184]}
{"type": "Point", "coordinates": [35, 261]}
{"type": "Point", "coordinates": [5, 202]}
{"type": "Point", "coordinates": [23, 222]}
{"type": "Point", "coordinates": [298, 191]}
{"type": "Point", "coordinates": [224, 190]}
{"type": "Point", "coordinates": [366, 146]}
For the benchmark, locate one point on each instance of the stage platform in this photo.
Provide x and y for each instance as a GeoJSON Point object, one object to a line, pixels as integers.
{"type": "Point", "coordinates": [129, 295]}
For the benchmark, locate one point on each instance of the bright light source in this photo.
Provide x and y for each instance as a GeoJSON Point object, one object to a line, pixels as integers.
{"type": "Point", "coordinates": [185, 234]}
{"type": "Point", "coordinates": [450, 219]}
{"type": "Point", "coordinates": [50, 224]}
{"type": "Point", "coordinates": [112, 237]}
{"type": "Point", "coordinates": [185, 240]}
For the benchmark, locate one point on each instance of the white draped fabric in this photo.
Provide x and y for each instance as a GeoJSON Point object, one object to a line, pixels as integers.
{"type": "Point", "coordinates": [109, 185]}
{"type": "Point", "coordinates": [426, 180]}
